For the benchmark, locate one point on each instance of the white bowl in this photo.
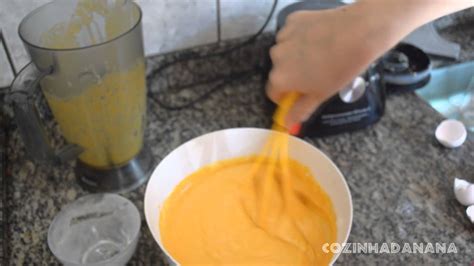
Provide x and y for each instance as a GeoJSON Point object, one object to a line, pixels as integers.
{"type": "Point", "coordinates": [235, 142]}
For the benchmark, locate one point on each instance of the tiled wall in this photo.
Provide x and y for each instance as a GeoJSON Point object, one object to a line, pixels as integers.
{"type": "Point", "coordinates": [168, 24]}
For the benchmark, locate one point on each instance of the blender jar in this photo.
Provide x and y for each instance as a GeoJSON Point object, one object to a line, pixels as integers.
{"type": "Point", "coordinates": [88, 58]}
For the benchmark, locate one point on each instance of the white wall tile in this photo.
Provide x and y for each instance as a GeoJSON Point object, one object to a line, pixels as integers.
{"type": "Point", "coordinates": [245, 17]}
{"type": "Point", "coordinates": [6, 74]}
{"type": "Point", "coordinates": [11, 13]}
{"type": "Point", "coordinates": [167, 25]}
{"type": "Point", "coordinates": [176, 24]}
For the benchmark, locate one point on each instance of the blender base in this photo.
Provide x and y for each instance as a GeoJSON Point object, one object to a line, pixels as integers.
{"type": "Point", "coordinates": [120, 179]}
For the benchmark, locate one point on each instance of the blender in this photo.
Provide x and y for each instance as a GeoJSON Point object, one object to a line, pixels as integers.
{"type": "Point", "coordinates": [87, 57]}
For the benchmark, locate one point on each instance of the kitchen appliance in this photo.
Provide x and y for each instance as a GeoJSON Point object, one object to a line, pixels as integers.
{"type": "Point", "coordinates": [427, 38]}
{"type": "Point", "coordinates": [405, 68]}
{"type": "Point", "coordinates": [88, 58]}
{"type": "Point", "coordinates": [362, 102]}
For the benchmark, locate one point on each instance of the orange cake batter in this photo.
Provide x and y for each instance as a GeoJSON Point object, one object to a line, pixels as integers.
{"type": "Point", "coordinates": [213, 216]}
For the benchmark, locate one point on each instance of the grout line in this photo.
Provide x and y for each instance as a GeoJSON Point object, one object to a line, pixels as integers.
{"type": "Point", "coordinates": [218, 17]}
{"type": "Point", "coordinates": [8, 54]}
{"type": "Point", "coordinates": [4, 219]}
{"type": "Point", "coordinates": [5, 238]}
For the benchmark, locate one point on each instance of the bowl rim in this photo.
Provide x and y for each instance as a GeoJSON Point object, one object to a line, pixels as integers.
{"type": "Point", "coordinates": [267, 131]}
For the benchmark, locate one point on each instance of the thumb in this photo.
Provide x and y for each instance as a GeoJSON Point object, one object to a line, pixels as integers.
{"type": "Point", "coordinates": [301, 110]}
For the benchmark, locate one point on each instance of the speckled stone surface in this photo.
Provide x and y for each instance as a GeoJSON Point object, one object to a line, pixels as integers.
{"type": "Point", "coordinates": [400, 178]}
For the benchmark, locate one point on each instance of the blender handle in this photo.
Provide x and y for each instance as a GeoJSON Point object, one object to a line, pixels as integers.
{"type": "Point", "coordinates": [28, 121]}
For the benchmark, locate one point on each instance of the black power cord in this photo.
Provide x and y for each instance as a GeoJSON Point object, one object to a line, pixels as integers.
{"type": "Point", "coordinates": [224, 80]}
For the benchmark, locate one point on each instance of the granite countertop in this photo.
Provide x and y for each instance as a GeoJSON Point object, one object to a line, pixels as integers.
{"type": "Point", "coordinates": [400, 178]}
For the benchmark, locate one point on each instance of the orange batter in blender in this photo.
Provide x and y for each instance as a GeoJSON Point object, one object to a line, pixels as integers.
{"type": "Point", "coordinates": [100, 106]}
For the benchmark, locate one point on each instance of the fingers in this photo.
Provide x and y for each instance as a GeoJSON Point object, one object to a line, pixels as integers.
{"type": "Point", "coordinates": [277, 53]}
{"type": "Point", "coordinates": [279, 82]}
{"type": "Point", "coordinates": [302, 110]}
{"type": "Point", "coordinates": [284, 78]}
{"type": "Point", "coordinates": [287, 30]}
{"type": "Point", "coordinates": [284, 34]}
{"type": "Point", "coordinates": [274, 88]}
{"type": "Point", "coordinates": [272, 93]}
{"type": "Point", "coordinates": [277, 85]}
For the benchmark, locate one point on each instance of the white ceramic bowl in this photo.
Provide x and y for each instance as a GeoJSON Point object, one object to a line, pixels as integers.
{"type": "Point", "coordinates": [230, 143]}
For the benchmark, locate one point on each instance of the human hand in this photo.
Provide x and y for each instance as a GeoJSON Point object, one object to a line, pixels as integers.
{"type": "Point", "coordinates": [317, 53]}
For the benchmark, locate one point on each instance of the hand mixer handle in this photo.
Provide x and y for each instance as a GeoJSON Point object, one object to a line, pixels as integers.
{"type": "Point", "coordinates": [28, 121]}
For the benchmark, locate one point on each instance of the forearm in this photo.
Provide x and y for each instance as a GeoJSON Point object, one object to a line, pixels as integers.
{"type": "Point", "coordinates": [416, 12]}
{"type": "Point", "coordinates": [403, 16]}
{"type": "Point", "coordinates": [386, 22]}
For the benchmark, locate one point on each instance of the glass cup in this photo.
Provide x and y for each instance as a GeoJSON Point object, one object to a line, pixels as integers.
{"type": "Point", "coordinates": [88, 58]}
{"type": "Point", "coordinates": [97, 229]}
